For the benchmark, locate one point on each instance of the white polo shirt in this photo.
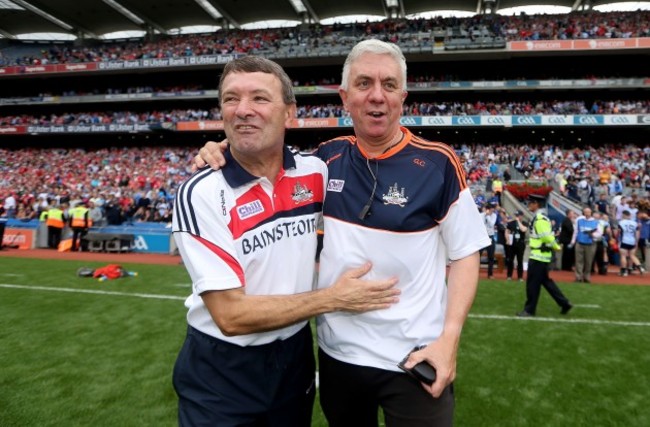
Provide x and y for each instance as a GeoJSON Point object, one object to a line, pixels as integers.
{"type": "Point", "coordinates": [422, 214]}
{"type": "Point", "coordinates": [236, 230]}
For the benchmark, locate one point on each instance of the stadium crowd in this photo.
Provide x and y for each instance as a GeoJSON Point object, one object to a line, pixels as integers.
{"type": "Point", "coordinates": [121, 185]}
{"type": "Point", "coordinates": [127, 185]}
{"type": "Point", "coordinates": [508, 108]}
{"type": "Point", "coordinates": [417, 32]}
{"type": "Point", "coordinates": [44, 175]}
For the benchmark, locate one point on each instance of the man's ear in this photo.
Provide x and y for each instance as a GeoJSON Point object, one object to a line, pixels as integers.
{"type": "Point", "coordinates": [344, 97]}
{"type": "Point", "coordinates": [291, 114]}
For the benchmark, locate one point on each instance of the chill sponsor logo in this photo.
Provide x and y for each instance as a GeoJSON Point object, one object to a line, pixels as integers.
{"type": "Point", "coordinates": [345, 122]}
{"type": "Point", "coordinates": [335, 185]}
{"type": "Point", "coordinates": [140, 244]}
{"type": "Point", "coordinates": [286, 230]}
{"type": "Point", "coordinates": [250, 209]}
{"type": "Point", "coordinates": [588, 120]}
{"type": "Point", "coordinates": [436, 121]}
{"type": "Point", "coordinates": [526, 120]}
{"type": "Point", "coordinates": [466, 120]}
{"type": "Point", "coordinates": [410, 121]}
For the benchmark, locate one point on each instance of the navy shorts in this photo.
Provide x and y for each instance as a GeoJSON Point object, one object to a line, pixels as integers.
{"type": "Point", "coordinates": [223, 384]}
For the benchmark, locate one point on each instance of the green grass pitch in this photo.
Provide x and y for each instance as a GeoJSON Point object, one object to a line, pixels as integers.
{"type": "Point", "coordinates": [69, 357]}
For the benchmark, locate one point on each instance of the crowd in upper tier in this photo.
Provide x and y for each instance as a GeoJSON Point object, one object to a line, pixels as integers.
{"type": "Point", "coordinates": [456, 108]}
{"type": "Point", "coordinates": [417, 32]}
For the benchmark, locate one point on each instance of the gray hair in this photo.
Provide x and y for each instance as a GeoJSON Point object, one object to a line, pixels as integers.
{"type": "Point", "coordinates": [377, 47]}
{"type": "Point", "coordinates": [258, 64]}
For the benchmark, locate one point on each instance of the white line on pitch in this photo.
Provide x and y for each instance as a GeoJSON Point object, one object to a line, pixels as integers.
{"type": "Point", "coordinates": [475, 316]}
{"type": "Point", "coordinates": [92, 291]}
{"type": "Point", "coordinates": [556, 320]}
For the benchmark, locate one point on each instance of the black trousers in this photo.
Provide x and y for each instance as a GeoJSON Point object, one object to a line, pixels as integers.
{"type": "Point", "coordinates": [490, 256]}
{"type": "Point", "coordinates": [538, 277]}
{"type": "Point", "coordinates": [568, 257]}
{"type": "Point", "coordinates": [599, 266]}
{"type": "Point", "coordinates": [54, 237]}
{"type": "Point", "coordinates": [77, 234]}
{"type": "Point", "coordinates": [512, 252]}
{"type": "Point", "coordinates": [351, 395]}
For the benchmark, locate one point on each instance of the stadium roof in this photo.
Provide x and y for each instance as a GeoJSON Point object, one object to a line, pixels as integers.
{"type": "Point", "coordinates": [93, 18]}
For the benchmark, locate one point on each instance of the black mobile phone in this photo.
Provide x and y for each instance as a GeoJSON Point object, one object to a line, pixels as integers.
{"type": "Point", "coordinates": [422, 372]}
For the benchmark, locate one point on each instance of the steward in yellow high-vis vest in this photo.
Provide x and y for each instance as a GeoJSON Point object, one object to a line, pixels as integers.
{"type": "Point", "coordinates": [55, 223]}
{"type": "Point", "coordinates": [542, 239]}
{"type": "Point", "coordinates": [80, 222]}
{"type": "Point", "coordinates": [497, 188]}
{"type": "Point", "coordinates": [542, 244]}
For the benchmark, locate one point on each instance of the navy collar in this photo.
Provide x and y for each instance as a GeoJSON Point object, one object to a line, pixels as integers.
{"type": "Point", "coordinates": [236, 175]}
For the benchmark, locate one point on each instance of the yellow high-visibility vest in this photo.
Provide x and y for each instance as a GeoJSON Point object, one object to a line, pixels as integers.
{"type": "Point", "coordinates": [80, 218]}
{"type": "Point", "coordinates": [55, 218]}
{"type": "Point", "coordinates": [542, 239]}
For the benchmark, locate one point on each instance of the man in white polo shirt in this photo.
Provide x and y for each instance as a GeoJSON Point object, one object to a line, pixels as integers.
{"type": "Point", "coordinates": [247, 235]}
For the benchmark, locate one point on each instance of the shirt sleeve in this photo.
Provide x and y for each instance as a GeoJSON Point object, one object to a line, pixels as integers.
{"type": "Point", "coordinates": [462, 229]}
{"type": "Point", "coordinates": [204, 240]}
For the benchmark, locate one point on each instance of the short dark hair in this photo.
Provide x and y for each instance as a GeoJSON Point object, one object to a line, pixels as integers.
{"type": "Point", "coordinates": [258, 64]}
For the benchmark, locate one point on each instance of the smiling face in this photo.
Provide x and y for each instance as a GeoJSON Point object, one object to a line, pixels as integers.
{"type": "Point", "coordinates": [374, 98]}
{"type": "Point", "coordinates": [254, 113]}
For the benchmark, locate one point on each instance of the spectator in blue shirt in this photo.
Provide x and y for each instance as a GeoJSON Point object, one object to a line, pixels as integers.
{"type": "Point", "coordinates": [644, 235]}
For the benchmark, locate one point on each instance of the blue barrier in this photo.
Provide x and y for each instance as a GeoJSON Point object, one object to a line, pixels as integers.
{"type": "Point", "coordinates": [20, 223]}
